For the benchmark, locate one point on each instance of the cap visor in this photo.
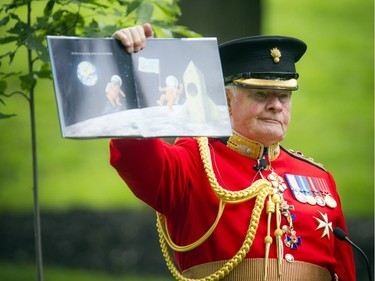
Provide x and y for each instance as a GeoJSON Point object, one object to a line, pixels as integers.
{"type": "Point", "coordinates": [290, 84]}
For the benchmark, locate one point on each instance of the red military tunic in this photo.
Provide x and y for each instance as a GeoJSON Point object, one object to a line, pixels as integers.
{"type": "Point", "coordinates": [172, 180]}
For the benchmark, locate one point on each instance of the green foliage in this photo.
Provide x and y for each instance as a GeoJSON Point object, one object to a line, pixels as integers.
{"type": "Point", "coordinates": [26, 31]}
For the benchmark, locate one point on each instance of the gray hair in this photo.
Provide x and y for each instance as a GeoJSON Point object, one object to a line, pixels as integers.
{"type": "Point", "coordinates": [232, 88]}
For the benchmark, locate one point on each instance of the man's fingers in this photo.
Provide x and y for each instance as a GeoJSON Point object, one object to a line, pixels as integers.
{"type": "Point", "coordinates": [124, 36]}
{"type": "Point", "coordinates": [134, 38]}
{"type": "Point", "coordinates": [149, 33]}
{"type": "Point", "coordinates": [138, 38]}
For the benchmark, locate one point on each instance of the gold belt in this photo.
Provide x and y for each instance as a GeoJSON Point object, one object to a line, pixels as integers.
{"type": "Point", "coordinates": [253, 270]}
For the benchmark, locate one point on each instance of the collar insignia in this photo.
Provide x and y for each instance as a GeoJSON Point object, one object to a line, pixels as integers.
{"type": "Point", "coordinates": [251, 149]}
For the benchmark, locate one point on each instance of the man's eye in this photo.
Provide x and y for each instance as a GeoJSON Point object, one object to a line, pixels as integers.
{"type": "Point", "coordinates": [261, 95]}
{"type": "Point", "coordinates": [284, 97]}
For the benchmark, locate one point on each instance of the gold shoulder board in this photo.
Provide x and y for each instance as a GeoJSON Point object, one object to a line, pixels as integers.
{"type": "Point", "coordinates": [300, 155]}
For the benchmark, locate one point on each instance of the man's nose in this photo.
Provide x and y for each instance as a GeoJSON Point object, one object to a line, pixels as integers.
{"type": "Point", "coordinates": [274, 103]}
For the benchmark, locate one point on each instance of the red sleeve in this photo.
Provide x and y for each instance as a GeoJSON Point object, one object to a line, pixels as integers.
{"type": "Point", "coordinates": [151, 167]}
{"type": "Point", "coordinates": [345, 265]}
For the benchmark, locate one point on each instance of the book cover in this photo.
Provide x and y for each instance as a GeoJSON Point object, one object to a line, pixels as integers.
{"type": "Point", "coordinates": [172, 88]}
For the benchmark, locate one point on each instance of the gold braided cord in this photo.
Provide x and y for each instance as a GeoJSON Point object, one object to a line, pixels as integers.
{"type": "Point", "coordinates": [259, 189]}
{"type": "Point", "coordinates": [270, 209]}
{"type": "Point", "coordinates": [189, 247]}
{"type": "Point", "coordinates": [233, 262]}
{"type": "Point", "coordinates": [226, 195]}
{"type": "Point", "coordinates": [278, 232]}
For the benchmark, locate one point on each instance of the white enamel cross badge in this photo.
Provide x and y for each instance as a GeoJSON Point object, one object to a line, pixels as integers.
{"type": "Point", "coordinates": [324, 224]}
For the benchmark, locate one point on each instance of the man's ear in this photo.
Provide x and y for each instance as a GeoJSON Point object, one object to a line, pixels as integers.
{"type": "Point", "coordinates": [229, 94]}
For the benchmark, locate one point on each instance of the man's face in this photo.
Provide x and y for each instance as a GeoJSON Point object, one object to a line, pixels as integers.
{"type": "Point", "coordinates": [260, 115]}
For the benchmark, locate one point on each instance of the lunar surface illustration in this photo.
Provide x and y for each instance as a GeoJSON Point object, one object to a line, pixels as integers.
{"type": "Point", "coordinates": [150, 122]}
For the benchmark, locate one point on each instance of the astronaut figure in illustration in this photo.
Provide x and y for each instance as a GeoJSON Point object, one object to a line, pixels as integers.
{"type": "Point", "coordinates": [113, 91]}
{"type": "Point", "coordinates": [171, 93]}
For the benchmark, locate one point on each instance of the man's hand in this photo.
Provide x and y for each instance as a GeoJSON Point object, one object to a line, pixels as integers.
{"type": "Point", "coordinates": [134, 38]}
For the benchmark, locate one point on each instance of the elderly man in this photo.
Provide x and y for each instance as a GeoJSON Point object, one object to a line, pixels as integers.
{"type": "Point", "coordinates": [241, 208]}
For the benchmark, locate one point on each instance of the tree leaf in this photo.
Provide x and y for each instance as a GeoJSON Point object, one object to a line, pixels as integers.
{"type": "Point", "coordinates": [5, 116]}
{"type": "Point", "coordinates": [28, 81]}
{"type": "Point", "coordinates": [49, 7]}
{"type": "Point", "coordinates": [4, 21]}
{"type": "Point", "coordinates": [44, 71]}
{"type": "Point", "coordinates": [95, 3]}
{"type": "Point", "coordinates": [36, 44]}
{"type": "Point", "coordinates": [15, 4]}
{"type": "Point", "coordinates": [144, 12]}
{"type": "Point", "coordinates": [132, 6]}
{"type": "Point", "coordinates": [3, 86]}
{"type": "Point", "coordinates": [170, 10]}
{"type": "Point", "coordinates": [8, 39]}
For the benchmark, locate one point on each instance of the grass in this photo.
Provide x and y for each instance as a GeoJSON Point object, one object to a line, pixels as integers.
{"type": "Point", "coordinates": [27, 272]}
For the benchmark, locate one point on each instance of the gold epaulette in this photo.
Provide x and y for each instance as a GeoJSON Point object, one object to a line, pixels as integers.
{"type": "Point", "coordinates": [299, 155]}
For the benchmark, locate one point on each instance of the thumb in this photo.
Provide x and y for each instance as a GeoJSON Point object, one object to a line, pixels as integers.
{"type": "Point", "coordinates": [149, 33]}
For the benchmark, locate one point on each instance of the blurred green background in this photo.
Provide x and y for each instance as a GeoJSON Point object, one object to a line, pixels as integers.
{"type": "Point", "coordinates": [332, 119]}
{"type": "Point", "coordinates": [333, 113]}
{"type": "Point", "coordinates": [332, 122]}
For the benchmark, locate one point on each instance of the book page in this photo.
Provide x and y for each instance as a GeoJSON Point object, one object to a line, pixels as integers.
{"type": "Point", "coordinates": [174, 87]}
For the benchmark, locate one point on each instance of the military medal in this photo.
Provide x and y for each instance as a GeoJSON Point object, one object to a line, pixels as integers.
{"type": "Point", "coordinates": [293, 240]}
{"type": "Point", "coordinates": [277, 182]}
{"type": "Point", "coordinates": [324, 224]}
{"type": "Point", "coordinates": [285, 208]}
{"type": "Point", "coordinates": [302, 182]}
{"type": "Point", "coordinates": [313, 186]}
{"type": "Point", "coordinates": [330, 201]}
{"type": "Point", "coordinates": [297, 193]}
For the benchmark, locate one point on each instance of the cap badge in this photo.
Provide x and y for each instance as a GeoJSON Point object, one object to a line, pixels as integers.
{"type": "Point", "coordinates": [276, 54]}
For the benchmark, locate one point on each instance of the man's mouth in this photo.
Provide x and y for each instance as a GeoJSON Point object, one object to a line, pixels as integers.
{"type": "Point", "coordinates": [269, 120]}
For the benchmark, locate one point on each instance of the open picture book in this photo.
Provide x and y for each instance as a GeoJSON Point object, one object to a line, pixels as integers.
{"type": "Point", "coordinates": [172, 88]}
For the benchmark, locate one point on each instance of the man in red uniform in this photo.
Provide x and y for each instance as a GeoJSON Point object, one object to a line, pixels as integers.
{"type": "Point", "coordinates": [241, 208]}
